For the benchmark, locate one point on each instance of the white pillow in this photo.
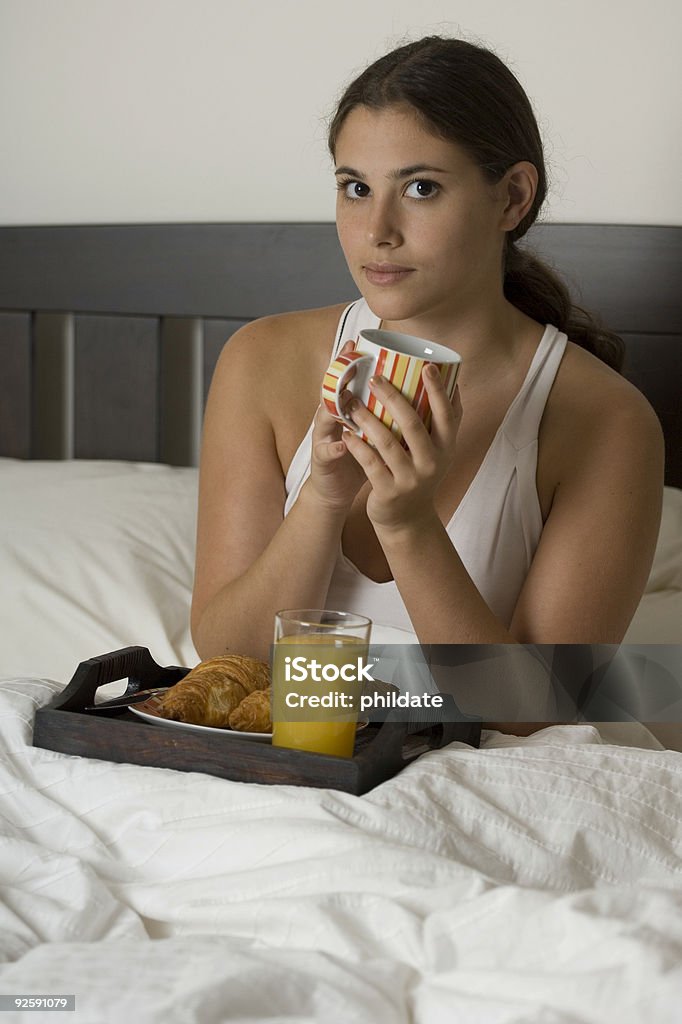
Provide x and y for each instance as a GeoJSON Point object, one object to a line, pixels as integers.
{"type": "Point", "coordinates": [94, 556]}
{"type": "Point", "coordinates": [666, 572]}
{"type": "Point", "coordinates": [658, 619]}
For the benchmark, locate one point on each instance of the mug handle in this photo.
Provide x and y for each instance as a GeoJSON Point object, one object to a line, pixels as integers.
{"type": "Point", "coordinates": [337, 377]}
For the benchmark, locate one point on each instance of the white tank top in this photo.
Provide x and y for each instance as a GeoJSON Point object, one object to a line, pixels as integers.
{"type": "Point", "coordinates": [497, 524]}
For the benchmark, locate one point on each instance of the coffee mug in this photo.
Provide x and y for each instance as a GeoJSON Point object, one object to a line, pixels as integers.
{"type": "Point", "coordinates": [400, 358]}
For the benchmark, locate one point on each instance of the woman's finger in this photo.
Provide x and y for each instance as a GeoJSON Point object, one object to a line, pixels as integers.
{"type": "Point", "coordinates": [376, 471]}
{"type": "Point", "coordinates": [325, 427]}
{"type": "Point", "coordinates": [446, 413]}
{"type": "Point", "coordinates": [326, 452]}
{"type": "Point", "coordinates": [380, 438]}
{"type": "Point", "coordinates": [414, 432]}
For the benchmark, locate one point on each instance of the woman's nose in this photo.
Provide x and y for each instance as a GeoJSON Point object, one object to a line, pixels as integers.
{"type": "Point", "coordinates": [384, 223]}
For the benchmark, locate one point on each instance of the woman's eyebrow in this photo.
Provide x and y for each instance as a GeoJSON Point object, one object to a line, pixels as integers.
{"type": "Point", "coordinates": [401, 172]}
{"type": "Point", "coordinates": [406, 172]}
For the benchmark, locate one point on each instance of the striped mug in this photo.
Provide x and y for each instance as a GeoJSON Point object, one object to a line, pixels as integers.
{"type": "Point", "coordinates": [400, 358]}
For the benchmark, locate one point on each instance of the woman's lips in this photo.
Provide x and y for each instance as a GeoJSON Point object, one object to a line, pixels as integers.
{"type": "Point", "coordinates": [385, 273]}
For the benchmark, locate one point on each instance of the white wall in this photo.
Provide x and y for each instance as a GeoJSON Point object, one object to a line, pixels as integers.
{"type": "Point", "coordinates": [213, 110]}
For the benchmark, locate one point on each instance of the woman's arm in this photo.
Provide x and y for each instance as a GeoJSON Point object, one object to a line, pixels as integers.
{"type": "Point", "coordinates": [595, 553]}
{"type": "Point", "coordinates": [250, 560]}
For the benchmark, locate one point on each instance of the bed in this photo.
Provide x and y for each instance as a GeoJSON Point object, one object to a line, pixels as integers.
{"type": "Point", "coordinates": [535, 879]}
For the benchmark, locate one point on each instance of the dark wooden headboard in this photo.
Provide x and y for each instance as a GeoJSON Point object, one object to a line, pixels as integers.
{"type": "Point", "coordinates": [109, 334]}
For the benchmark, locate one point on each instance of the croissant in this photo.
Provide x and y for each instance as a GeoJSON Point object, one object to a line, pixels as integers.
{"type": "Point", "coordinates": [253, 713]}
{"type": "Point", "coordinates": [213, 689]}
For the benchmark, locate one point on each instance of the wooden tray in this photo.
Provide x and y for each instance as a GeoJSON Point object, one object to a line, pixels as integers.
{"type": "Point", "coordinates": [114, 734]}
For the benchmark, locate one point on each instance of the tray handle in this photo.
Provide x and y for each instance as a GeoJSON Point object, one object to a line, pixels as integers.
{"type": "Point", "coordinates": [439, 726]}
{"type": "Point", "coordinates": [398, 743]}
{"type": "Point", "coordinates": [134, 662]}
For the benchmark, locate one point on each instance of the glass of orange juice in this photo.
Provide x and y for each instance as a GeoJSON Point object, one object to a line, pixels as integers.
{"type": "Point", "coordinates": [319, 664]}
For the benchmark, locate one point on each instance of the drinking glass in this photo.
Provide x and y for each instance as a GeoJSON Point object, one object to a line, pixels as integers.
{"type": "Point", "coordinates": [317, 662]}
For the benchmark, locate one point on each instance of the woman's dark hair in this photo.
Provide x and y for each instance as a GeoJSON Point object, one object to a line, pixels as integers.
{"type": "Point", "coordinates": [467, 95]}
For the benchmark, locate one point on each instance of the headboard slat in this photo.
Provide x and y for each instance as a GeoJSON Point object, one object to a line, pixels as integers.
{"type": "Point", "coordinates": [15, 391]}
{"type": "Point", "coordinates": [181, 390]}
{"type": "Point", "coordinates": [53, 386]}
{"type": "Point", "coordinates": [116, 372]}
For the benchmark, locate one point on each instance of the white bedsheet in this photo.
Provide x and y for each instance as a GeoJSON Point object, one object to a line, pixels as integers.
{"type": "Point", "coordinates": [535, 880]}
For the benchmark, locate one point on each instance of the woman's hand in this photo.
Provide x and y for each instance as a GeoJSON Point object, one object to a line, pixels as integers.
{"type": "Point", "coordinates": [404, 482]}
{"type": "Point", "coordinates": [335, 476]}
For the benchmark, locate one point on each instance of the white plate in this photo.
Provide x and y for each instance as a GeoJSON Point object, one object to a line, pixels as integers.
{"type": "Point", "coordinates": [148, 710]}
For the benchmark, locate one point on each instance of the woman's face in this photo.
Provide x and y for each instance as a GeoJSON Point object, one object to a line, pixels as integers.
{"type": "Point", "coordinates": [421, 229]}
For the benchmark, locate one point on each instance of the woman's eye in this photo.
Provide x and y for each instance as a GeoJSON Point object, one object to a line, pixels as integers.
{"type": "Point", "coordinates": [421, 189]}
{"type": "Point", "coordinates": [353, 189]}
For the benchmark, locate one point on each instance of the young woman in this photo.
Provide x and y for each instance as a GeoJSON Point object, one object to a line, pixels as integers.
{"type": "Point", "coordinates": [529, 513]}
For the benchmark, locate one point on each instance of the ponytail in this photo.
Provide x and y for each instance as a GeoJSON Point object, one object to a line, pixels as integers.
{"type": "Point", "coordinates": [535, 289]}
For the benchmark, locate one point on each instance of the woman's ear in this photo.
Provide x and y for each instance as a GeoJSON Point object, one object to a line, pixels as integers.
{"type": "Point", "coordinates": [519, 185]}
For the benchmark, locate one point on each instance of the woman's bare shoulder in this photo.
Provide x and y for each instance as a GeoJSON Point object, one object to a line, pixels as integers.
{"type": "Point", "coordinates": [593, 407]}
{"type": "Point", "coordinates": [594, 394]}
{"type": "Point", "coordinates": [280, 331]}
{"type": "Point", "coordinates": [286, 353]}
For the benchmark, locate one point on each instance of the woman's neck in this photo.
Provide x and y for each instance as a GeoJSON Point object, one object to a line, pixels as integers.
{"type": "Point", "coordinates": [489, 341]}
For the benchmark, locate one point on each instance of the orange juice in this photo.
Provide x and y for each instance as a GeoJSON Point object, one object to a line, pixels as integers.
{"type": "Point", "coordinates": [329, 726]}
